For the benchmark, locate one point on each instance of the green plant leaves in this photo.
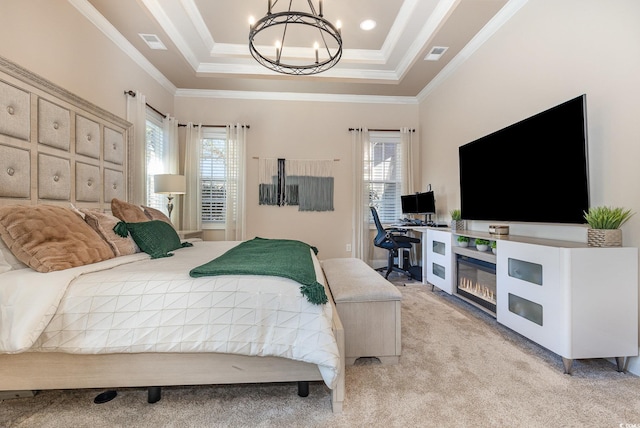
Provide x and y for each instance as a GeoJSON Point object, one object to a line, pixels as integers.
{"type": "Point", "coordinates": [607, 217]}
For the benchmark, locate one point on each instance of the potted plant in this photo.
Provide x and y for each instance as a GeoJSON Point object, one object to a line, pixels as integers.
{"type": "Point", "coordinates": [604, 225]}
{"type": "Point", "coordinates": [456, 219]}
{"type": "Point", "coordinates": [482, 244]}
{"type": "Point", "coordinates": [494, 247]}
{"type": "Point", "coordinates": [463, 241]}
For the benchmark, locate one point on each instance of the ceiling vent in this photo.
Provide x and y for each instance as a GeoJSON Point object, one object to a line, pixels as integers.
{"type": "Point", "coordinates": [153, 41]}
{"type": "Point", "coordinates": [435, 53]}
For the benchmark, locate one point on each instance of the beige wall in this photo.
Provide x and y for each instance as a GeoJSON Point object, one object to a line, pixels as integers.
{"type": "Point", "coordinates": [549, 52]}
{"type": "Point", "coordinates": [51, 38]}
{"type": "Point", "coordinates": [299, 130]}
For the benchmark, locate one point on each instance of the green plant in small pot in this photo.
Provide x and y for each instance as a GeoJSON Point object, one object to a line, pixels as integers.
{"type": "Point", "coordinates": [456, 219]}
{"type": "Point", "coordinates": [463, 241]}
{"type": "Point", "coordinates": [494, 247]}
{"type": "Point", "coordinates": [604, 225]}
{"type": "Point", "coordinates": [482, 244]}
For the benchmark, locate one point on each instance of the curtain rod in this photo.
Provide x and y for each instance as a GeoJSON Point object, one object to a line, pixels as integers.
{"type": "Point", "coordinates": [380, 130]}
{"type": "Point", "coordinates": [133, 94]}
{"type": "Point", "coordinates": [335, 160]}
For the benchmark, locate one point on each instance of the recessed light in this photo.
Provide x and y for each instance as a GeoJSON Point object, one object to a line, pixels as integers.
{"type": "Point", "coordinates": [435, 53]}
{"type": "Point", "coordinates": [368, 25]}
{"type": "Point", "coordinates": [153, 41]}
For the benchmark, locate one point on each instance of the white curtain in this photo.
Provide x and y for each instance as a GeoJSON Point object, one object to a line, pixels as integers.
{"type": "Point", "coordinates": [236, 186]}
{"type": "Point", "coordinates": [406, 153]}
{"type": "Point", "coordinates": [171, 161]}
{"type": "Point", "coordinates": [137, 115]}
{"type": "Point", "coordinates": [361, 235]}
{"type": "Point", "coordinates": [171, 154]}
{"type": "Point", "coordinates": [192, 218]}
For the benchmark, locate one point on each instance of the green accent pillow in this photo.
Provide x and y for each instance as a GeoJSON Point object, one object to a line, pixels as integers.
{"type": "Point", "coordinates": [154, 237]}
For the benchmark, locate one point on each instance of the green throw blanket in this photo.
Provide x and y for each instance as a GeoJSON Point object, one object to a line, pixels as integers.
{"type": "Point", "coordinates": [272, 257]}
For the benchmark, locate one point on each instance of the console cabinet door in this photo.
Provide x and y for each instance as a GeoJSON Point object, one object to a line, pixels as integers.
{"type": "Point", "coordinates": [439, 265]}
{"type": "Point", "coordinates": [532, 293]}
{"type": "Point", "coordinates": [604, 302]}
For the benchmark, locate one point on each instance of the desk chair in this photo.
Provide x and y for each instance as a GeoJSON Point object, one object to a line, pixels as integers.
{"type": "Point", "coordinates": [392, 239]}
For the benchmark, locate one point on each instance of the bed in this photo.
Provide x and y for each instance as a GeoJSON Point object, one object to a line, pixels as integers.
{"type": "Point", "coordinates": [63, 154]}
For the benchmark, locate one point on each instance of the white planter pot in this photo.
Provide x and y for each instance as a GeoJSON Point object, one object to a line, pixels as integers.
{"type": "Point", "coordinates": [482, 247]}
{"type": "Point", "coordinates": [463, 244]}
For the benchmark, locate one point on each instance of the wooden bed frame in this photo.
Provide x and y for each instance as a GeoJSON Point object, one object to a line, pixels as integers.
{"type": "Point", "coordinates": [48, 370]}
{"type": "Point", "coordinates": [47, 104]}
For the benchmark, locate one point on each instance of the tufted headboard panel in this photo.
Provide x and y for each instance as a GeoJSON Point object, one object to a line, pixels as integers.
{"type": "Point", "coordinates": [57, 148]}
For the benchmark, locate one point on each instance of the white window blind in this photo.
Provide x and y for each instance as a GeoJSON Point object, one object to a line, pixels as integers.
{"type": "Point", "coordinates": [155, 158]}
{"type": "Point", "coordinates": [383, 172]}
{"type": "Point", "coordinates": [213, 177]}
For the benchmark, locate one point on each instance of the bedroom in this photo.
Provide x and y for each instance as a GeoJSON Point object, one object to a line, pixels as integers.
{"type": "Point", "coordinates": [537, 59]}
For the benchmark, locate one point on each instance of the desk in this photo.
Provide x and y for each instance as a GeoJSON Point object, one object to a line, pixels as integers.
{"type": "Point", "coordinates": [422, 230]}
{"type": "Point", "coordinates": [437, 257]}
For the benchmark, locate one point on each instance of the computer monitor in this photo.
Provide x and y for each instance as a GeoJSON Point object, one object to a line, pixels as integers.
{"type": "Point", "coordinates": [426, 203]}
{"type": "Point", "coordinates": [409, 204]}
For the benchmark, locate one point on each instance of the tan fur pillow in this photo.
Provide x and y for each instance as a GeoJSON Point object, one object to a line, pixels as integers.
{"type": "Point", "coordinates": [50, 238]}
{"type": "Point", "coordinates": [103, 224]}
{"type": "Point", "coordinates": [154, 214]}
{"type": "Point", "coordinates": [127, 212]}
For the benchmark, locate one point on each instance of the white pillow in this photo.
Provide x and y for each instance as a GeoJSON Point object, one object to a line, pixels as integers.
{"type": "Point", "coordinates": [7, 260]}
{"type": "Point", "coordinates": [4, 265]}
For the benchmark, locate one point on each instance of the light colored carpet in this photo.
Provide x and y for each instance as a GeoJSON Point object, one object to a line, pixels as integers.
{"type": "Point", "coordinates": [459, 368]}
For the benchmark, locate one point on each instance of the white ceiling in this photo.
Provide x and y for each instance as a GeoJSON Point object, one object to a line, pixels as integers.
{"type": "Point", "coordinates": [207, 42]}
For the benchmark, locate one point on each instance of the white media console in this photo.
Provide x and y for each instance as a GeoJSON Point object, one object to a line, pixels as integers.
{"type": "Point", "coordinates": [577, 301]}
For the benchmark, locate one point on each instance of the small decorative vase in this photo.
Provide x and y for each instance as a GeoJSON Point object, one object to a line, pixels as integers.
{"type": "Point", "coordinates": [482, 247]}
{"type": "Point", "coordinates": [494, 250]}
{"type": "Point", "coordinates": [604, 237]}
{"type": "Point", "coordinates": [457, 224]}
{"type": "Point", "coordinates": [463, 244]}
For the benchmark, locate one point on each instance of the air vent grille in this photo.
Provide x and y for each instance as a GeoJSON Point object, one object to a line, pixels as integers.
{"type": "Point", "coordinates": [435, 53]}
{"type": "Point", "coordinates": [153, 41]}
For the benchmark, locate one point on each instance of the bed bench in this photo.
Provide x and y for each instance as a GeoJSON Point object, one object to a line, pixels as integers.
{"type": "Point", "coordinates": [369, 308]}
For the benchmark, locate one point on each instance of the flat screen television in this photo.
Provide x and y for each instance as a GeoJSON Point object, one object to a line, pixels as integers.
{"type": "Point", "coordinates": [535, 170]}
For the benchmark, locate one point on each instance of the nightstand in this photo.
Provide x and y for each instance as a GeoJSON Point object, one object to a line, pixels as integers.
{"type": "Point", "coordinates": [186, 234]}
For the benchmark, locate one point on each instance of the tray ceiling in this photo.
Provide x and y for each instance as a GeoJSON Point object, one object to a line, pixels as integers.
{"type": "Point", "coordinates": [207, 42]}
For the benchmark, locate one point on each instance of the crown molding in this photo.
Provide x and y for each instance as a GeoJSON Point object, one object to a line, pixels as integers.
{"type": "Point", "coordinates": [294, 96]}
{"type": "Point", "coordinates": [176, 37]}
{"type": "Point", "coordinates": [504, 15]}
{"type": "Point", "coordinates": [89, 12]}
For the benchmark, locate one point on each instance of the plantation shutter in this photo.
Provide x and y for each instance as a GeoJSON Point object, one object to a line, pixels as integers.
{"type": "Point", "coordinates": [383, 172]}
{"type": "Point", "coordinates": [213, 177]}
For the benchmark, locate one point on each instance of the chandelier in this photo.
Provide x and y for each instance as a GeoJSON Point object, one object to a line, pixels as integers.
{"type": "Point", "coordinates": [300, 26]}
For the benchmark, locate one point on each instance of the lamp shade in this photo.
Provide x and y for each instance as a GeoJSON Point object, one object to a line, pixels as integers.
{"type": "Point", "coordinates": [169, 184]}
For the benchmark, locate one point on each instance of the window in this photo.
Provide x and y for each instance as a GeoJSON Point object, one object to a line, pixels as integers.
{"type": "Point", "coordinates": [156, 151]}
{"type": "Point", "coordinates": [213, 177]}
{"type": "Point", "coordinates": [383, 173]}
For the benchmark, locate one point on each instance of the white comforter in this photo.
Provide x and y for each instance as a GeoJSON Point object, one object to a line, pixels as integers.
{"type": "Point", "coordinates": [135, 304]}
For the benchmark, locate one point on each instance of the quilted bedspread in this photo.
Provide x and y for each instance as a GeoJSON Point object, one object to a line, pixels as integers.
{"type": "Point", "coordinates": [135, 304]}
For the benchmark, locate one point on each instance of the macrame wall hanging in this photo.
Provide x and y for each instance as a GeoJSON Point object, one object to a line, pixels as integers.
{"type": "Point", "coordinates": [305, 183]}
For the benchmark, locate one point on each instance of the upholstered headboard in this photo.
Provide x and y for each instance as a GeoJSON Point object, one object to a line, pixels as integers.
{"type": "Point", "coordinates": [55, 147]}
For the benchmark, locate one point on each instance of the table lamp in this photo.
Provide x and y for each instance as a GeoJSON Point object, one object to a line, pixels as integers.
{"type": "Point", "coordinates": [169, 184]}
